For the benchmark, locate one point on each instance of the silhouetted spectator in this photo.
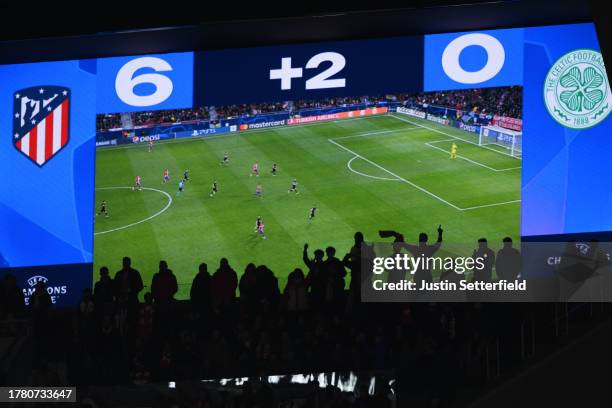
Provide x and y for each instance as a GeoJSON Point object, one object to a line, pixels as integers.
{"type": "Point", "coordinates": [426, 251]}
{"type": "Point", "coordinates": [127, 284]}
{"type": "Point", "coordinates": [508, 263]}
{"type": "Point", "coordinates": [487, 258]}
{"type": "Point", "coordinates": [200, 294]}
{"type": "Point", "coordinates": [40, 305]}
{"type": "Point", "coordinates": [224, 284]}
{"type": "Point", "coordinates": [103, 291]}
{"type": "Point", "coordinates": [164, 285]}
{"type": "Point", "coordinates": [163, 289]}
{"type": "Point", "coordinates": [359, 262]}
{"type": "Point", "coordinates": [334, 269]}
{"type": "Point", "coordinates": [249, 294]}
{"type": "Point", "coordinates": [295, 295]}
{"type": "Point", "coordinates": [316, 279]}
{"type": "Point", "coordinates": [267, 285]}
{"type": "Point", "coordinates": [396, 275]}
{"type": "Point", "coordinates": [40, 301]}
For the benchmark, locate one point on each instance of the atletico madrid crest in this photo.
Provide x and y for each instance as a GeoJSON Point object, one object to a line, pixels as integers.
{"type": "Point", "coordinates": [41, 118]}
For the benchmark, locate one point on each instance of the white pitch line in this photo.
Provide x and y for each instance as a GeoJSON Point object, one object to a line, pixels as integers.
{"type": "Point", "coordinates": [463, 158]}
{"type": "Point", "coordinates": [367, 175]}
{"type": "Point", "coordinates": [453, 136]}
{"type": "Point", "coordinates": [443, 140]}
{"type": "Point", "coordinates": [193, 138]}
{"type": "Point", "coordinates": [141, 221]}
{"type": "Point", "coordinates": [429, 193]}
{"type": "Point", "coordinates": [376, 133]}
{"type": "Point", "coordinates": [490, 205]}
{"type": "Point", "coordinates": [399, 178]}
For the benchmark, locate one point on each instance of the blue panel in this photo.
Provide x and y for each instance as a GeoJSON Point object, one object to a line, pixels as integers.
{"type": "Point", "coordinates": [65, 283]}
{"type": "Point", "coordinates": [566, 173]}
{"type": "Point", "coordinates": [146, 82]}
{"type": "Point", "coordinates": [459, 60]}
{"type": "Point", "coordinates": [371, 67]}
{"type": "Point", "coordinates": [46, 211]}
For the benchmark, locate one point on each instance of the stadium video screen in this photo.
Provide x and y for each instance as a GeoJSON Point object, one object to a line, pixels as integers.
{"type": "Point", "coordinates": [248, 154]}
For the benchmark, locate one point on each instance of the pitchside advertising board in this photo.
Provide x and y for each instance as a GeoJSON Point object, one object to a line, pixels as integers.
{"type": "Point", "coordinates": [48, 124]}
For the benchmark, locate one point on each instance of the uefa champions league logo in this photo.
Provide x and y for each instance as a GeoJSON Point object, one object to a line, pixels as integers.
{"type": "Point", "coordinates": [54, 291]}
{"type": "Point", "coordinates": [576, 90]}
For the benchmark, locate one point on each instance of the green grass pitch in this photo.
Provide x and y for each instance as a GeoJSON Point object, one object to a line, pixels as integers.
{"type": "Point", "coordinates": [363, 174]}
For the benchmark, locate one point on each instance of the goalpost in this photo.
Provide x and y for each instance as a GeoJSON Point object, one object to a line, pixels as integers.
{"type": "Point", "coordinates": [499, 136]}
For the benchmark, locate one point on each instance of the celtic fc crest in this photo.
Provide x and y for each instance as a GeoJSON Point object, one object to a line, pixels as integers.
{"type": "Point", "coordinates": [576, 89]}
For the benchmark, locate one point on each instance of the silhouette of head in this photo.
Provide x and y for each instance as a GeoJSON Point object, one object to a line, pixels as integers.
{"type": "Point", "coordinates": [507, 242]}
{"type": "Point", "coordinates": [358, 237]}
{"type": "Point", "coordinates": [127, 262]}
{"type": "Point", "coordinates": [103, 271]}
{"type": "Point", "coordinates": [330, 251]}
{"type": "Point", "coordinates": [163, 266]}
{"type": "Point", "coordinates": [203, 268]}
{"type": "Point", "coordinates": [318, 254]}
{"type": "Point", "coordinates": [297, 274]}
{"type": "Point", "coordinates": [250, 268]}
{"type": "Point", "coordinates": [423, 237]}
{"type": "Point", "coordinates": [224, 263]}
{"type": "Point", "coordinates": [482, 243]}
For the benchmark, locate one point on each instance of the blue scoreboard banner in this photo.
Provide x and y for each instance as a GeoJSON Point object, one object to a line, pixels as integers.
{"type": "Point", "coordinates": [309, 71]}
{"type": "Point", "coordinates": [48, 123]}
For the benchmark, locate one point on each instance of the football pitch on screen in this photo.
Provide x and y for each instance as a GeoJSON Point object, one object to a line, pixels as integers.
{"type": "Point", "coordinates": [362, 174]}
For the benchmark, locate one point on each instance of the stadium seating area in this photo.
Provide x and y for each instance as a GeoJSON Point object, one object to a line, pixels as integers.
{"type": "Point", "coordinates": [505, 101]}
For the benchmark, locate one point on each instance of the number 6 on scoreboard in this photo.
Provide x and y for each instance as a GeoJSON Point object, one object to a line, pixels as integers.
{"type": "Point", "coordinates": [126, 81]}
{"type": "Point", "coordinates": [321, 81]}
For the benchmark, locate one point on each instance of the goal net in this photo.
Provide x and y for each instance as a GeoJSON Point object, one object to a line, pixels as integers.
{"type": "Point", "coordinates": [510, 140]}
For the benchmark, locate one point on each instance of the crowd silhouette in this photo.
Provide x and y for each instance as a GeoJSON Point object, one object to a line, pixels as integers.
{"type": "Point", "coordinates": [126, 332]}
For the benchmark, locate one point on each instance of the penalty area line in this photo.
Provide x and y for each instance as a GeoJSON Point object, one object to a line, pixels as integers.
{"type": "Point", "coordinates": [453, 136]}
{"type": "Point", "coordinates": [461, 157]}
{"type": "Point", "coordinates": [465, 158]}
{"type": "Point", "coordinates": [399, 178]}
{"type": "Point", "coordinates": [376, 133]}
{"type": "Point", "coordinates": [429, 193]}
{"type": "Point", "coordinates": [168, 204]}
{"type": "Point", "coordinates": [367, 175]}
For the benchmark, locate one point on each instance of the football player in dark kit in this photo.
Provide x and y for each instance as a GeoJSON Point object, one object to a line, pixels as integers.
{"type": "Point", "coordinates": [214, 189]}
{"type": "Point", "coordinates": [103, 208]}
{"type": "Point", "coordinates": [294, 187]}
{"type": "Point", "coordinates": [313, 212]}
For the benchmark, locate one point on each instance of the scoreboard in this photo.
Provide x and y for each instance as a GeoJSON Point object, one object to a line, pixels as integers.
{"type": "Point", "coordinates": [47, 196]}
